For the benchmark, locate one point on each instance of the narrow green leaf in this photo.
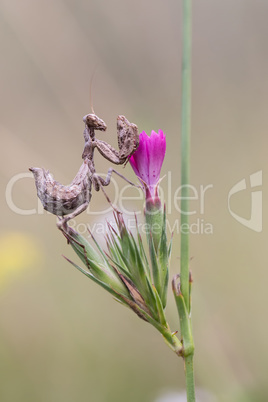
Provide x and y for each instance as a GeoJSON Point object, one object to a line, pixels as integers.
{"type": "Point", "coordinates": [151, 299]}
{"type": "Point", "coordinates": [165, 289]}
{"type": "Point", "coordinates": [163, 261]}
{"type": "Point", "coordinates": [119, 255]}
{"type": "Point", "coordinates": [142, 251]}
{"type": "Point", "coordinates": [170, 246]}
{"type": "Point", "coordinates": [97, 264]}
{"type": "Point", "coordinates": [99, 282]}
{"type": "Point", "coordinates": [161, 314]}
{"type": "Point", "coordinates": [141, 277]}
{"type": "Point", "coordinates": [79, 242]}
{"type": "Point", "coordinates": [120, 268]}
{"type": "Point", "coordinates": [185, 323]}
{"type": "Point", "coordinates": [154, 265]}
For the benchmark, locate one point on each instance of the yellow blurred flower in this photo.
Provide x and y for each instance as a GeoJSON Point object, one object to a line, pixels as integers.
{"type": "Point", "coordinates": [18, 252]}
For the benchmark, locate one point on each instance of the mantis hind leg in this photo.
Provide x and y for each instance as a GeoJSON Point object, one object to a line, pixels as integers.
{"type": "Point", "coordinates": [99, 183]}
{"type": "Point", "coordinates": [62, 222]}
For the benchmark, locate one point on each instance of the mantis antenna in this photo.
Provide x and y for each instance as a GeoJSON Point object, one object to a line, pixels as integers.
{"type": "Point", "coordinates": [90, 91]}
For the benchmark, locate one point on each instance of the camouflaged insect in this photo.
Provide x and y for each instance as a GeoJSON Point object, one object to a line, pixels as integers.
{"type": "Point", "coordinates": [73, 199]}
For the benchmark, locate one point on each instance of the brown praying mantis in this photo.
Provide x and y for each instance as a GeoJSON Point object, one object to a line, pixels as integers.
{"type": "Point", "coordinates": [69, 201]}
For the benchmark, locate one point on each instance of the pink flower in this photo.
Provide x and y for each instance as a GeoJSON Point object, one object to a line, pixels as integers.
{"type": "Point", "coordinates": [147, 162]}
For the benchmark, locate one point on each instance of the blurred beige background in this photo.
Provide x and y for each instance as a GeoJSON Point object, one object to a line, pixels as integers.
{"type": "Point", "coordinates": [61, 337]}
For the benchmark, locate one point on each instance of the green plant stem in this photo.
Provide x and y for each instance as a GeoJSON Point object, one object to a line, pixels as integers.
{"type": "Point", "coordinates": [185, 149]}
{"type": "Point", "coordinates": [189, 374]}
{"type": "Point", "coordinates": [183, 297]}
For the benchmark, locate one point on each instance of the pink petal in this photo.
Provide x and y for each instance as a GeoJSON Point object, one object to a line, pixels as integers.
{"type": "Point", "coordinates": [157, 152]}
{"type": "Point", "coordinates": [148, 159]}
{"type": "Point", "coordinates": [139, 160]}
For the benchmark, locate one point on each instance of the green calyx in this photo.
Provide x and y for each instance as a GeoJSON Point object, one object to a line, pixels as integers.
{"type": "Point", "coordinates": [159, 251]}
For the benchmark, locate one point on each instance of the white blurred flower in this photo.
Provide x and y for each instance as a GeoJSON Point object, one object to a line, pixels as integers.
{"type": "Point", "coordinates": [173, 396]}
